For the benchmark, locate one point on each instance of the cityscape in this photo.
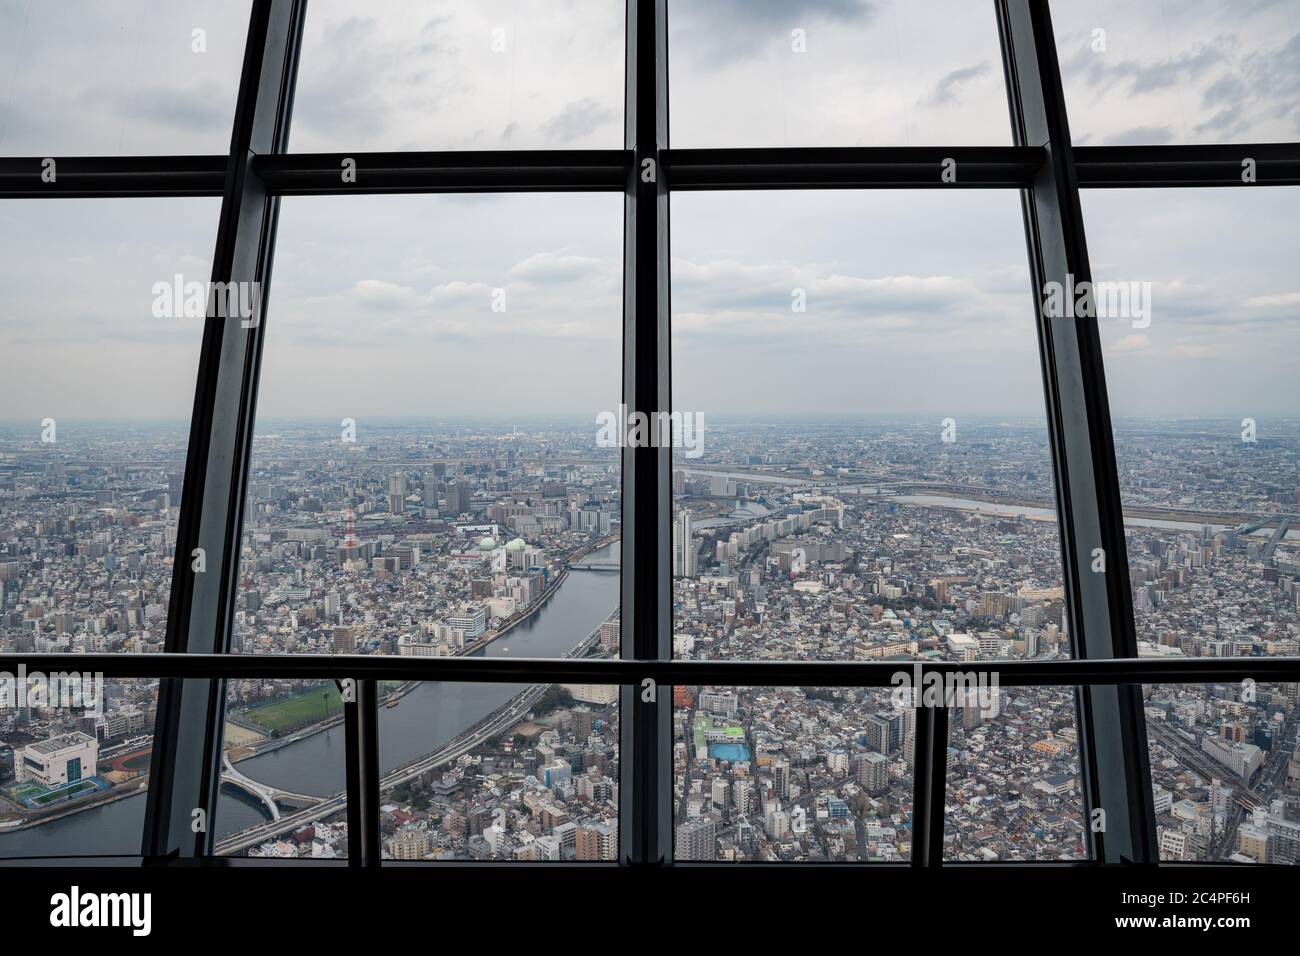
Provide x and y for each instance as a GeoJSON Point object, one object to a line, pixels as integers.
{"type": "Point", "coordinates": [473, 448]}
{"type": "Point", "coordinates": [852, 539]}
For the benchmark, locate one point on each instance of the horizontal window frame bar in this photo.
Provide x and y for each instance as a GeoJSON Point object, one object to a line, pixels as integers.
{"type": "Point", "coordinates": [468, 171]}
{"type": "Point", "coordinates": [832, 167]}
{"type": "Point", "coordinates": [1065, 673]}
{"type": "Point", "coordinates": [896, 869]}
{"type": "Point", "coordinates": [79, 177]}
{"type": "Point", "coordinates": [486, 866]}
{"type": "Point", "coordinates": [296, 174]}
{"type": "Point", "coordinates": [1276, 164]}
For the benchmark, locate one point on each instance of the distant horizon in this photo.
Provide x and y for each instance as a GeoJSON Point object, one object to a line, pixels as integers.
{"type": "Point", "coordinates": [720, 418]}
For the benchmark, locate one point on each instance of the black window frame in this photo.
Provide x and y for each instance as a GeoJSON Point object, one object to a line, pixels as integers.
{"type": "Point", "coordinates": [1042, 164]}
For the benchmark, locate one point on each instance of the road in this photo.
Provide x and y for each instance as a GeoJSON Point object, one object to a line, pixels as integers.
{"type": "Point", "coordinates": [497, 722]}
{"type": "Point", "coordinates": [1266, 785]}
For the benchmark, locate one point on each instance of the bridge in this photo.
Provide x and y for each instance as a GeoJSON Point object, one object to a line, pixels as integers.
{"type": "Point", "coordinates": [267, 796]}
{"type": "Point", "coordinates": [602, 566]}
{"type": "Point", "coordinates": [1276, 539]}
{"type": "Point", "coordinates": [497, 722]}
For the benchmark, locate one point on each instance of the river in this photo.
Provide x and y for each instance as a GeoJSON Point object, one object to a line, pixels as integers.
{"type": "Point", "coordinates": [431, 714]}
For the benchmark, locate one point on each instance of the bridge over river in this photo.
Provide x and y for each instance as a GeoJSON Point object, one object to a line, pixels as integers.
{"type": "Point", "coordinates": [495, 723]}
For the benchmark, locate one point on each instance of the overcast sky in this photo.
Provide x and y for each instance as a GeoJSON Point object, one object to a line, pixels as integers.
{"type": "Point", "coordinates": [915, 302]}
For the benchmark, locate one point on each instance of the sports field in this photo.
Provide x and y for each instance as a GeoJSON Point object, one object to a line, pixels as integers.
{"type": "Point", "coordinates": [33, 796]}
{"type": "Point", "coordinates": [64, 794]}
{"type": "Point", "coordinates": [303, 708]}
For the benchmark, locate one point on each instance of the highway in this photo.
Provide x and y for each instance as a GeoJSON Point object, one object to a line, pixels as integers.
{"type": "Point", "coordinates": [495, 723]}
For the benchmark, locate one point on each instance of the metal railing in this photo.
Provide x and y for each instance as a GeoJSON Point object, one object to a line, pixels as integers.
{"type": "Point", "coordinates": [361, 708]}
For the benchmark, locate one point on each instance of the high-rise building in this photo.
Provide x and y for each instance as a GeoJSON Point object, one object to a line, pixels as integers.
{"type": "Point", "coordinates": [873, 772]}
{"type": "Point", "coordinates": [781, 778]}
{"type": "Point", "coordinates": [683, 547]}
{"type": "Point", "coordinates": [397, 493]}
{"type": "Point", "coordinates": [695, 840]}
{"type": "Point", "coordinates": [596, 842]}
{"type": "Point", "coordinates": [458, 498]}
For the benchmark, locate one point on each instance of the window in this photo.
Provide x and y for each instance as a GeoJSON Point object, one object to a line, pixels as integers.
{"type": "Point", "coordinates": [791, 774]}
{"type": "Point", "coordinates": [98, 355]}
{"type": "Point", "coordinates": [834, 73]}
{"type": "Point", "coordinates": [872, 478]}
{"type": "Point", "coordinates": [1014, 791]}
{"type": "Point", "coordinates": [398, 563]}
{"type": "Point", "coordinates": [73, 778]}
{"type": "Point", "coordinates": [436, 506]}
{"type": "Point", "coordinates": [460, 74]}
{"type": "Point", "coordinates": [450, 505]}
{"type": "Point", "coordinates": [1223, 766]}
{"type": "Point", "coordinates": [1147, 74]}
{"type": "Point", "coordinates": [1208, 479]}
{"type": "Point", "coordinates": [1209, 476]}
{"type": "Point", "coordinates": [117, 78]}
{"type": "Point", "coordinates": [500, 772]}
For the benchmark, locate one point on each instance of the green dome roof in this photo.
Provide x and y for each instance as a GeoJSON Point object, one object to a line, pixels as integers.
{"type": "Point", "coordinates": [487, 544]}
{"type": "Point", "coordinates": [517, 544]}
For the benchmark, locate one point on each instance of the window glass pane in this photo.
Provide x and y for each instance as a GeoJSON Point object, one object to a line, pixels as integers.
{"type": "Point", "coordinates": [505, 772]}
{"type": "Point", "coordinates": [1201, 72]}
{"type": "Point", "coordinates": [427, 481]}
{"type": "Point", "coordinates": [1014, 791]}
{"type": "Point", "coordinates": [791, 774]}
{"type": "Point", "coordinates": [461, 74]}
{"type": "Point", "coordinates": [96, 389]}
{"type": "Point", "coordinates": [283, 772]}
{"type": "Point", "coordinates": [1225, 770]}
{"type": "Point", "coordinates": [835, 73]}
{"type": "Point", "coordinates": [97, 375]}
{"type": "Point", "coordinates": [73, 779]}
{"type": "Point", "coordinates": [119, 77]}
{"type": "Point", "coordinates": [1203, 394]}
{"type": "Point", "coordinates": [873, 479]}
{"type": "Point", "coordinates": [425, 467]}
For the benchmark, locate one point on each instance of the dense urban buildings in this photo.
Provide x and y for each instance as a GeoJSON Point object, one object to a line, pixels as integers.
{"type": "Point", "coordinates": [881, 541]}
{"type": "Point", "coordinates": [840, 541]}
{"type": "Point", "coordinates": [415, 542]}
{"type": "Point", "coordinates": [407, 456]}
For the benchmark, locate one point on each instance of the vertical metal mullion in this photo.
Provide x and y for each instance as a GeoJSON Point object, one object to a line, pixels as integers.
{"type": "Point", "coordinates": [361, 741]}
{"type": "Point", "coordinates": [1113, 753]}
{"type": "Point", "coordinates": [185, 765]}
{"type": "Point", "coordinates": [929, 784]}
{"type": "Point", "coordinates": [645, 811]}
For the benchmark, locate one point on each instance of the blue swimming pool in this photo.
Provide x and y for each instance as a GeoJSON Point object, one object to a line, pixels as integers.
{"type": "Point", "coordinates": [731, 752]}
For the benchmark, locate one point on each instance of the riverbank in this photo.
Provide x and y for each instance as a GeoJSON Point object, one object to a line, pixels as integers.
{"type": "Point", "coordinates": [100, 798]}
{"type": "Point", "coordinates": [431, 713]}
